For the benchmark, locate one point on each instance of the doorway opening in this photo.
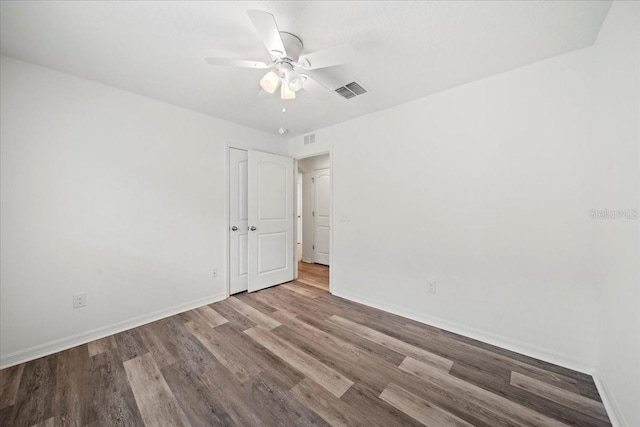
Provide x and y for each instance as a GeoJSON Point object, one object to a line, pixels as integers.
{"type": "Point", "coordinates": [314, 221]}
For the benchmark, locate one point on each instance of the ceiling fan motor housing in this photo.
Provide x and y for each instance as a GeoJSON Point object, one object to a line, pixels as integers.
{"type": "Point", "coordinates": [293, 46]}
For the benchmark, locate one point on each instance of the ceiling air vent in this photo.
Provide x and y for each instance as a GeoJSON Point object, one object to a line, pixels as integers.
{"type": "Point", "coordinates": [310, 139]}
{"type": "Point", "coordinates": [356, 88]}
{"type": "Point", "coordinates": [350, 90]}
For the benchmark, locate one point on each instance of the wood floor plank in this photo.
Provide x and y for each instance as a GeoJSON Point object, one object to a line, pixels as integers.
{"type": "Point", "coordinates": [374, 411]}
{"type": "Point", "coordinates": [228, 355]}
{"type": "Point", "coordinates": [394, 343]}
{"type": "Point", "coordinates": [101, 345]}
{"type": "Point", "coordinates": [319, 336]}
{"type": "Point", "coordinates": [129, 344]}
{"type": "Point", "coordinates": [571, 400]}
{"type": "Point", "coordinates": [363, 366]}
{"type": "Point", "coordinates": [293, 302]}
{"type": "Point", "coordinates": [224, 388]}
{"type": "Point", "coordinates": [583, 381]}
{"type": "Point", "coordinates": [155, 399]}
{"type": "Point", "coordinates": [33, 401]}
{"type": "Point", "coordinates": [393, 357]}
{"type": "Point", "coordinates": [423, 411]}
{"type": "Point", "coordinates": [197, 403]}
{"type": "Point", "coordinates": [315, 284]}
{"type": "Point", "coordinates": [498, 381]}
{"type": "Point", "coordinates": [236, 320]}
{"type": "Point", "coordinates": [207, 315]}
{"type": "Point", "coordinates": [9, 384]}
{"type": "Point", "coordinates": [277, 406]}
{"type": "Point", "coordinates": [163, 351]}
{"type": "Point", "coordinates": [473, 412]}
{"type": "Point", "coordinates": [283, 316]}
{"type": "Point", "coordinates": [187, 347]}
{"type": "Point", "coordinates": [372, 374]}
{"type": "Point", "coordinates": [330, 408]}
{"type": "Point", "coordinates": [470, 354]}
{"type": "Point", "coordinates": [111, 400]}
{"type": "Point", "coordinates": [302, 291]}
{"type": "Point", "coordinates": [49, 422]}
{"type": "Point", "coordinates": [387, 323]}
{"type": "Point", "coordinates": [6, 416]}
{"type": "Point", "coordinates": [316, 275]}
{"type": "Point", "coordinates": [518, 414]}
{"type": "Point", "coordinates": [258, 305]}
{"type": "Point", "coordinates": [252, 314]}
{"type": "Point", "coordinates": [328, 378]}
{"type": "Point", "coordinates": [242, 356]}
{"type": "Point", "coordinates": [71, 405]}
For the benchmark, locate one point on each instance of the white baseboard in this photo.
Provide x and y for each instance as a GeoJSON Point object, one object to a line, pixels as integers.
{"type": "Point", "coordinates": [307, 260]}
{"type": "Point", "coordinates": [610, 404]}
{"type": "Point", "coordinates": [476, 334]}
{"type": "Point", "coordinates": [85, 337]}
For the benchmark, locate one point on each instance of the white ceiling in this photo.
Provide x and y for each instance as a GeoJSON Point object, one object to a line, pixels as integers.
{"type": "Point", "coordinates": [403, 50]}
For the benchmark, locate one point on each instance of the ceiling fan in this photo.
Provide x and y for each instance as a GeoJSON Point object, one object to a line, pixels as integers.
{"type": "Point", "coordinates": [289, 70]}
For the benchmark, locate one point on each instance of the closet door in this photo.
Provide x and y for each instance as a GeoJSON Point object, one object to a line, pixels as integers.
{"type": "Point", "coordinates": [238, 217]}
{"type": "Point", "coordinates": [271, 220]}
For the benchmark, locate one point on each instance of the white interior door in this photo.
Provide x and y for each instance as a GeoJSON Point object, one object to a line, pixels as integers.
{"type": "Point", "coordinates": [321, 216]}
{"type": "Point", "coordinates": [299, 213]}
{"type": "Point", "coordinates": [238, 221]}
{"type": "Point", "coordinates": [270, 207]}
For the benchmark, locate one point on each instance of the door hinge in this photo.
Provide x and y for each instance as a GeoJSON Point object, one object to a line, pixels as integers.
{"type": "Point", "coordinates": [313, 246]}
{"type": "Point", "coordinates": [313, 180]}
{"type": "Point", "coordinates": [313, 213]}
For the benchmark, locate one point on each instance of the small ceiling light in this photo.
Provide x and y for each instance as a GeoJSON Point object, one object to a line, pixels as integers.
{"type": "Point", "coordinates": [284, 110]}
{"type": "Point", "coordinates": [270, 82]}
{"type": "Point", "coordinates": [286, 93]}
{"type": "Point", "coordinates": [282, 131]}
{"type": "Point", "coordinates": [296, 83]}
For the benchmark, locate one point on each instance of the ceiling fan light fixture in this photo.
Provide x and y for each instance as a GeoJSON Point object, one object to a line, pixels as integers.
{"type": "Point", "coordinates": [270, 82]}
{"type": "Point", "coordinates": [286, 61]}
{"type": "Point", "coordinates": [286, 93]}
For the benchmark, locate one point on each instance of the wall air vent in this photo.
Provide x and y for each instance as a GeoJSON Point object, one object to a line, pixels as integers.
{"type": "Point", "coordinates": [350, 90]}
{"type": "Point", "coordinates": [310, 139]}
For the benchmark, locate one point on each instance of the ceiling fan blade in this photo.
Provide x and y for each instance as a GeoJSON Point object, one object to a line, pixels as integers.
{"type": "Point", "coordinates": [327, 58]}
{"type": "Point", "coordinates": [314, 87]}
{"type": "Point", "coordinates": [240, 63]}
{"type": "Point", "coordinates": [268, 31]}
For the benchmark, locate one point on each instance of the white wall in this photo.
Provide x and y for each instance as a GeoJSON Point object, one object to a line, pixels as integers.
{"type": "Point", "coordinates": [487, 189]}
{"type": "Point", "coordinates": [108, 193]}
{"type": "Point", "coordinates": [484, 188]}
{"type": "Point", "coordinates": [617, 187]}
{"type": "Point", "coordinates": [307, 166]}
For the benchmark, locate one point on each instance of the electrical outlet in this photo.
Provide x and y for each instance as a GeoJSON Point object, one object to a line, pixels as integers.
{"type": "Point", "coordinates": [431, 286]}
{"type": "Point", "coordinates": [79, 300]}
{"type": "Point", "coordinates": [214, 273]}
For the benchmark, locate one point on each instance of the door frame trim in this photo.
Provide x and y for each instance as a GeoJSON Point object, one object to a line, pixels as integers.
{"type": "Point", "coordinates": [331, 220]}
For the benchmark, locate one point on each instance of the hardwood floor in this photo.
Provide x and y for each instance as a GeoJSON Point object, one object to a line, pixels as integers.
{"type": "Point", "coordinates": [316, 275]}
{"type": "Point", "coordinates": [294, 355]}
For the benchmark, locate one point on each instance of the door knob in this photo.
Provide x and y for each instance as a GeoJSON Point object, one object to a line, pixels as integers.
{"type": "Point", "coordinates": [253, 228]}
{"type": "Point", "coordinates": [234, 228]}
